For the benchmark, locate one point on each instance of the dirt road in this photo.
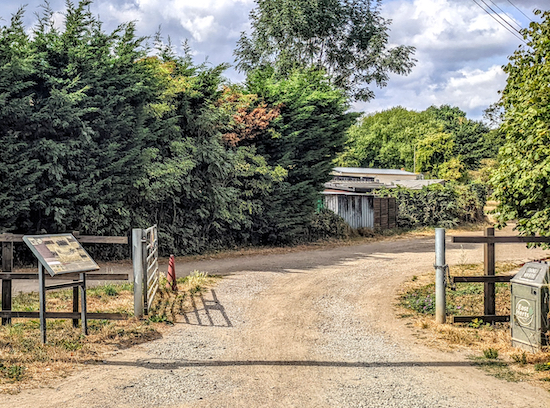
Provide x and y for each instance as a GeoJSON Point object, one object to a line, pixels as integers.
{"type": "Point", "coordinates": [307, 329]}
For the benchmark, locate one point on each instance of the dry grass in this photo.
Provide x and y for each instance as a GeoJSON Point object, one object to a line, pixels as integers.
{"type": "Point", "coordinates": [512, 364]}
{"type": "Point", "coordinates": [27, 363]}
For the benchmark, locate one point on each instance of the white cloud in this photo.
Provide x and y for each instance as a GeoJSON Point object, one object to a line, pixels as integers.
{"type": "Point", "coordinates": [460, 50]}
{"type": "Point", "coordinates": [475, 89]}
{"type": "Point", "coordinates": [472, 90]}
{"type": "Point", "coordinates": [204, 20]}
{"type": "Point", "coordinates": [459, 47]}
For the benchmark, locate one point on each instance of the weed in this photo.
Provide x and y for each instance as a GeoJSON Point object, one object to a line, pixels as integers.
{"type": "Point", "coordinates": [520, 358]}
{"type": "Point", "coordinates": [414, 278]}
{"type": "Point", "coordinates": [159, 319]}
{"type": "Point", "coordinates": [22, 355]}
{"type": "Point", "coordinates": [421, 301]}
{"type": "Point", "coordinates": [110, 290]}
{"type": "Point", "coordinates": [492, 342]}
{"type": "Point", "coordinates": [476, 323]}
{"type": "Point", "coordinates": [13, 372]}
{"type": "Point", "coordinates": [490, 353]}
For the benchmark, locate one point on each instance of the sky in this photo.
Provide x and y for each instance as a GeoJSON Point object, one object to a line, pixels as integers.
{"type": "Point", "coordinates": [460, 48]}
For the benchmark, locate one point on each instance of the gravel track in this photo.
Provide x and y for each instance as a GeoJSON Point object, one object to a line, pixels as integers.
{"type": "Point", "coordinates": [309, 329]}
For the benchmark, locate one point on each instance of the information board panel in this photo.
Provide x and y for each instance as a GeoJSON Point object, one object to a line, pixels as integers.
{"type": "Point", "coordinates": [60, 253]}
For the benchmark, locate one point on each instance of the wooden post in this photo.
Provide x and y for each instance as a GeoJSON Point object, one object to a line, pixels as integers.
{"type": "Point", "coordinates": [42, 301]}
{"type": "Point", "coordinates": [489, 263]}
{"type": "Point", "coordinates": [75, 305]}
{"type": "Point", "coordinates": [76, 234]}
{"type": "Point", "coordinates": [83, 305]}
{"type": "Point", "coordinates": [7, 267]}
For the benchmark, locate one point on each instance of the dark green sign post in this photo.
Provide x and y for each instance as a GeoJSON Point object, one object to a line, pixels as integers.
{"type": "Point", "coordinates": [60, 254]}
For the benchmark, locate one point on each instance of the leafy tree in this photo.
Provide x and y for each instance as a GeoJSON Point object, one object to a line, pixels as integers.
{"type": "Point", "coordinates": [436, 205]}
{"type": "Point", "coordinates": [441, 142]}
{"type": "Point", "coordinates": [346, 39]}
{"type": "Point", "coordinates": [522, 180]}
{"type": "Point", "coordinates": [100, 136]}
{"type": "Point", "coordinates": [202, 189]}
{"type": "Point", "coordinates": [389, 139]}
{"type": "Point", "coordinates": [78, 121]}
{"type": "Point", "coordinates": [472, 142]}
{"type": "Point", "coordinates": [19, 170]}
{"type": "Point", "coordinates": [304, 139]}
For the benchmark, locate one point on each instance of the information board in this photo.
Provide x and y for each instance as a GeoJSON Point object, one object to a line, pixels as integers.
{"type": "Point", "coordinates": [60, 253]}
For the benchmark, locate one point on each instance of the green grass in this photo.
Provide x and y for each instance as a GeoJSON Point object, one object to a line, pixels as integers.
{"type": "Point", "coordinates": [421, 300]}
{"type": "Point", "coordinates": [28, 302]}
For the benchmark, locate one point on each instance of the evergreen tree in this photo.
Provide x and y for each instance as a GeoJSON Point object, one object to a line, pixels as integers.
{"type": "Point", "coordinates": [306, 138]}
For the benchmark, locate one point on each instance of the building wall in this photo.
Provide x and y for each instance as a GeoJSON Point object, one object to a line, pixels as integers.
{"type": "Point", "coordinates": [361, 211]}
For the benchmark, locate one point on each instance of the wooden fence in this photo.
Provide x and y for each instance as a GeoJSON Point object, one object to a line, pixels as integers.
{"type": "Point", "coordinates": [489, 278]}
{"type": "Point", "coordinates": [7, 276]}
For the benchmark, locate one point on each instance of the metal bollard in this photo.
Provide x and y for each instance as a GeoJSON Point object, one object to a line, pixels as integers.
{"type": "Point", "coordinates": [440, 267]}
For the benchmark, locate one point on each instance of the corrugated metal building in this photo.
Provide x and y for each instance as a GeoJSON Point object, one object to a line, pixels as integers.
{"type": "Point", "coordinates": [362, 210]}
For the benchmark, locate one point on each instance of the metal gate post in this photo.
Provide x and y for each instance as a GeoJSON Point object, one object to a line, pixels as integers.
{"type": "Point", "coordinates": [137, 260]}
{"type": "Point", "coordinates": [440, 267]}
{"type": "Point", "coordinates": [144, 267]}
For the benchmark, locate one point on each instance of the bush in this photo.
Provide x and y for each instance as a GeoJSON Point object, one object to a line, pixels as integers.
{"type": "Point", "coordinates": [438, 206]}
{"type": "Point", "coordinates": [327, 224]}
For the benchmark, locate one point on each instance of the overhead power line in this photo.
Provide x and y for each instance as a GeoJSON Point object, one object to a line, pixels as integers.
{"type": "Point", "coordinates": [512, 31]}
{"type": "Point", "coordinates": [506, 14]}
{"type": "Point", "coordinates": [526, 16]}
{"type": "Point", "coordinates": [500, 17]}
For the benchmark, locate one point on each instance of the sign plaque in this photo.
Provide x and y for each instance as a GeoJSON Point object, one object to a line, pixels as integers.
{"type": "Point", "coordinates": [60, 253]}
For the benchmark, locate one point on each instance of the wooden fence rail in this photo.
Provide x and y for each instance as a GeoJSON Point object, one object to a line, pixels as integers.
{"type": "Point", "coordinates": [489, 278]}
{"type": "Point", "coordinates": [7, 276]}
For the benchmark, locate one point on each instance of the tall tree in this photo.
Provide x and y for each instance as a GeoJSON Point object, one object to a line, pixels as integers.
{"type": "Point", "coordinates": [304, 140]}
{"type": "Point", "coordinates": [348, 39]}
{"type": "Point", "coordinates": [522, 180]}
{"type": "Point", "coordinates": [388, 139]}
{"type": "Point", "coordinates": [439, 141]}
{"type": "Point", "coordinates": [472, 142]}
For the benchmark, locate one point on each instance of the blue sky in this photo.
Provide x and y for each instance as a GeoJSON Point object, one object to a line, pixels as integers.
{"type": "Point", "coordinates": [460, 48]}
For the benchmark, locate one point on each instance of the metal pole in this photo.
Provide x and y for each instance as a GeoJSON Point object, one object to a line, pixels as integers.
{"type": "Point", "coordinates": [440, 266]}
{"type": "Point", "coordinates": [42, 301]}
{"type": "Point", "coordinates": [145, 269]}
{"type": "Point", "coordinates": [489, 308]}
{"type": "Point", "coordinates": [137, 258]}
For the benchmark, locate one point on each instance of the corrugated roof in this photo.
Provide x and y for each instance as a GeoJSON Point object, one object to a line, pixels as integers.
{"type": "Point", "coordinates": [340, 192]}
{"type": "Point", "coordinates": [418, 184]}
{"type": "Point", "coordinates": [364, 170]}
{"type": "Point", "coordinates": [355, 185]}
